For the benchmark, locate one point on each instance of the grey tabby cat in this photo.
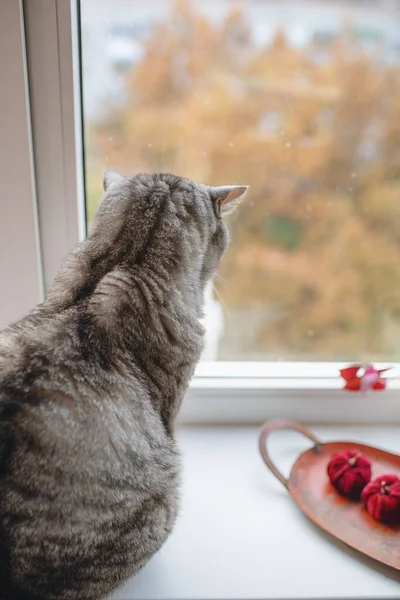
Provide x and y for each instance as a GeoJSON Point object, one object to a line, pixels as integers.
{"type": "Point", "coordinates": [90, 385]}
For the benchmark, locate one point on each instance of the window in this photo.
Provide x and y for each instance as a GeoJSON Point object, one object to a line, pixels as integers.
{"type": "Point", "coordinates": [301, 101]}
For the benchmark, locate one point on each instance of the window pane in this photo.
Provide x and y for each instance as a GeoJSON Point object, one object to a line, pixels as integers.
{"type": "Point", "coordinates": [301, 100]}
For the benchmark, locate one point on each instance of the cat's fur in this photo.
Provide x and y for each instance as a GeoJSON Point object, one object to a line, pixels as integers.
{"type": "Point", "coordinates": [90, 384]}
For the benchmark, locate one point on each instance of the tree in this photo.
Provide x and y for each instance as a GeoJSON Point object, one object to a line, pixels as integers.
{"type": "Point", "coordinates": [314, 267]}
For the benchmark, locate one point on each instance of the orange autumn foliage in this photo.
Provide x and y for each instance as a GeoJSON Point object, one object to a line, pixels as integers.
{"type": "Point", "coordinates": [314, 266]}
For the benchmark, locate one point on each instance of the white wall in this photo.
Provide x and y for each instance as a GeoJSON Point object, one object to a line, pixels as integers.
{"type": "Point", "coordinates": [20, 280]}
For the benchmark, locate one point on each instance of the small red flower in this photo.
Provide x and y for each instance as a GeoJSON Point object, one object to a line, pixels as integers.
{"type": "Point", "coordinates": [382, 499]}
{"type": "Point", "coordinates": [349, 472]}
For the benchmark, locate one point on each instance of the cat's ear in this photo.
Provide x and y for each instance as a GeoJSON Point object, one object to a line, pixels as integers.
{"type": "Point", "coordinates": [227, 197]}
{"type": "Point", "coordinates": [111, 177]}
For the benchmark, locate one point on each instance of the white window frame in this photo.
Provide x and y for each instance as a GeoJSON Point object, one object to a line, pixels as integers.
{"type": "Point", "coordinates": [52, 43]}
{"type": "Point", "coordinates": [221, 392]}
{"type": "Point", "coordinates": [251, 392]}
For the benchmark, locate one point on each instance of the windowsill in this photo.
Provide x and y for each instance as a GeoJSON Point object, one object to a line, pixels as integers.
{"type": "Point", "coordinates": [239, 534]}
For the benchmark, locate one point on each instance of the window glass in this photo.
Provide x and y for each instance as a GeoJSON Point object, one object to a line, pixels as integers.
{"type": "Point", "coordinates": [300, 100]}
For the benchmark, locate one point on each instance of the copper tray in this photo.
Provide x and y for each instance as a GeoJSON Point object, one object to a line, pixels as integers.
{"type": "Point", "coordinates": [310, 488]}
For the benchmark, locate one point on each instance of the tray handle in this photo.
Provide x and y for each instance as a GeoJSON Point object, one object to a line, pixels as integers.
{"type": "Point", "coordinates": [275, 425]}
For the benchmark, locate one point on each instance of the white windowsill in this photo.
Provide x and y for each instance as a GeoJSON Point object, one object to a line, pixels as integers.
{"type": "Point", "coordinates": [239, 534]}
{"type": "Point", "coordinates": [251, 392]}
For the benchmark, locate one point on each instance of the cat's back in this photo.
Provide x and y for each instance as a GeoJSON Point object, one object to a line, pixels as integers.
{"type": "Point", "coordinates": [64, 410]}
{"type": "Point", "coordinates": [86, 467]}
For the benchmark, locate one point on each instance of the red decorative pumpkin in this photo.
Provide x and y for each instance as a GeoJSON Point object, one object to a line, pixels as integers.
{"type": "Point", "coordinates": [349, 472]}
{"type": "Point", "coordinates": [382, 499]}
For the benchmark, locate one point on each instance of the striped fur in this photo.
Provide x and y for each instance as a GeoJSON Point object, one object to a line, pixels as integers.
{"type": "Point", "coordinates": [90, 384]}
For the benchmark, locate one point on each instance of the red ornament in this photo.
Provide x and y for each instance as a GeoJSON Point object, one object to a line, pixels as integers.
{"type": "Point", "coordinates": [349, 472]}
{"type": "Point", "coordinates": [370, 379]}
{"type": "Point", "coordinates": [382, 499]}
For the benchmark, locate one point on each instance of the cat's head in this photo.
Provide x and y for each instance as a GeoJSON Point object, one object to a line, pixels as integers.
{"type": "Point", "coordinates": [168, 224]}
